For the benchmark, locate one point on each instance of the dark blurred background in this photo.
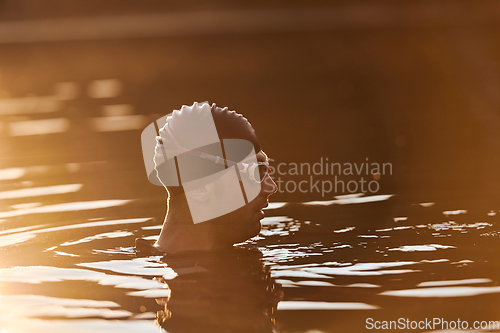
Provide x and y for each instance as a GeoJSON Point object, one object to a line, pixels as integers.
{"type": "Point", "coordinates": [413, 83]}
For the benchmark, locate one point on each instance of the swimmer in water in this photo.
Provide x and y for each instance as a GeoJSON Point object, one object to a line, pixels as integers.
{"type": "Point", "coordinates": [210, 162]}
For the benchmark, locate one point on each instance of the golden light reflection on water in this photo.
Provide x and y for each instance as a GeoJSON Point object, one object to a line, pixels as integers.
{"type": "Point", "coordinates": [11, 173]}
{"type": "Point", "coordinates": [439, 292]}
{"type": "Point", "coordinates": [29, 325]}
{"type": "Point", "coordinates": [351, 199]}
{"type": "Point", "coordinates": [33, 306]}
{"type": "Point", "coordinates": [308, 305]}
{"type": "Point", "coordinates": [65, 207]}
{"type": "Point", "coordinates": [37, 127]}
{"type": "Point", "coordinates": [40, 191]}
{"type": "Point", "coordinates": [113, 234]}
{"type": "Point", "coordinates": [23, 234]}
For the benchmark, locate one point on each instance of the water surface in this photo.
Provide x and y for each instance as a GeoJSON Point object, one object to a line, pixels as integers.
{"type": "Point", "coordinates": [68, 263]}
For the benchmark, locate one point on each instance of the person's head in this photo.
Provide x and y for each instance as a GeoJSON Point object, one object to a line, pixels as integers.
{"type": "Point", "coordinates": [210, 161]}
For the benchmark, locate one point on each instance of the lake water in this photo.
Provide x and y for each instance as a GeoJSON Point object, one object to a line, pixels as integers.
{"type": "Point", "coordinates": [414, 84]}
{"type": "Point", "coordinates": [68, 263]}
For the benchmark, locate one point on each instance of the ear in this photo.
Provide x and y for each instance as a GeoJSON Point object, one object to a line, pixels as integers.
{"type": "Point", "coordinates": [200, 194]}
